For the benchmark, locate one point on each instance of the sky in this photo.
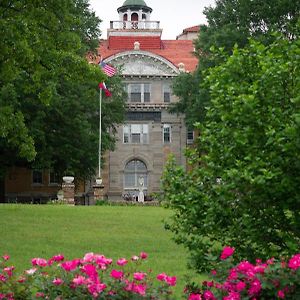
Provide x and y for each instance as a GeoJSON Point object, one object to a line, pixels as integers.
{"type": "Point", "coordinates": [174, 15]}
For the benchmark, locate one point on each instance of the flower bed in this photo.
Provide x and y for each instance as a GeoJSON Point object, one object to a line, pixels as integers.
{"type": "Point", "coordinates": [96, 277]}
{"type": "Point", "coordinates": [92, 277]}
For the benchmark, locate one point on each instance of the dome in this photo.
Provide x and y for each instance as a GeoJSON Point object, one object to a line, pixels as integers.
{"type": "Point", "coordinates": [135, 3]}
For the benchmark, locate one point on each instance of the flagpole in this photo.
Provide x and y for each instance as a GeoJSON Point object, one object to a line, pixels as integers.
{"type": "Point", "coordinates": [100, 129]}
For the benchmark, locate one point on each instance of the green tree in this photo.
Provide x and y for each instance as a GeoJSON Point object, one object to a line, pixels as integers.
{"type": "Point", "coordinates": [231, 22]}
{"type": "Point", "coordinates": [48, 90]}
{"type": "Point", "coordinates": [243, 188]}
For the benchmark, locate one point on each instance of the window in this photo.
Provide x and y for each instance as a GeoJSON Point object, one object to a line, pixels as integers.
{"type": "Point", "coordinates": [139, 92]}
{"type": "Point", "coordinates": [167, 133]}
{"type": "Point", "coordinates": [190, 136]}
{"type": "Point", "coordinates": [167, 93]}
{"type": "Point", "coordinates": [135, 93]}
{"type": "Point", "coordinates": [37, 177]}
{"type": "Point", "coordinates": [133, 172]}
{"type": "Point", "coordinates": [53, 177]}
{"type": "Point", "coordinates": [135, 134]}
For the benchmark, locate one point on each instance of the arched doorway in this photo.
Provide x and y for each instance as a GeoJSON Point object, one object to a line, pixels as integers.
{"type": "Point", "coordinates": [134, 171]}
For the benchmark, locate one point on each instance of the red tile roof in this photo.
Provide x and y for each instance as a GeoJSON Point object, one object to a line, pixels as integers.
{"type": "Point", "coordinates": [176, 51]}
{"type": "Point", "coordinates": [191, 29]}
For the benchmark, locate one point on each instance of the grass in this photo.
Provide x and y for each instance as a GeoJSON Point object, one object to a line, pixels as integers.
{"type": "Point", "coordinates": [28, 231]}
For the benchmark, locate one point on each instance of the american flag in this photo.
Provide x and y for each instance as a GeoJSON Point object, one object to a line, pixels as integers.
{"type": "Point", "coordinates": [107, 69]}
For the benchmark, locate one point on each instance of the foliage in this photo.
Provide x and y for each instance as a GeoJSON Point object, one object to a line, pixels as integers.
{"type": "Point", "coordinates": [231, 22]}
{"type": "Point", "coordinates": [93, 276]}
{"type": "Point", "coordinates": [96, 276]}
{"type": "Point", "coordinates": [48, 94]}
{"type": "Point", "coordinates": [243, 187]}
{"type": "Point", "coordinates": [273, 279]}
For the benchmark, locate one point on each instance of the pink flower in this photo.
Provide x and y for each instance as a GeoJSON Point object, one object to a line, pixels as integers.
{"type": "Point", "coordinates": [294, 262]}
{"type": "Point", "coordinates": [2, 296]}
{"type": "Point", "coordinates": [143, 255]}
{"type": "Point", "coordinates": [240, 286]}
{"type": "Point", "coordinates": [102, 261]}
{"type": "Point", "coordinates": [79, 280]}
{"type": "Point", "coordinates": [245, 267]}
{"type": "Point", "coordinates": [116, 274]}
{"type": "Point", "coordinates": [40, 295]}
{"type": "Point", "coordinates": [70, 265]}
{"type": "Point", "coordinates": [122, 262]}
{"type": "Point", "coordinates": [139, 276]}
{"type": "Point", "coordinates": [41, 262]}
{"type": "Point", "coordinates": [208, 295]}
{"type": "Point", "coordinates": [232, 296]}
{"type": "Point", "coordinates": [139, 289]}
{"type": "Point", "coordinates": [31, 271]}
{"type": "Point", "coordinates": [171, 280]}
{"type": "Point", "coordinates": [255, 287]}
{"type": "Point", "coordinates": [270, 261]}
{"type": "Point", "coordinates": [281, 294]}
{"type": "Point", "coordinates": [213, 272]}
{"type": "Point", "coordinates": [89, 257]}
{"type": "Point", "coordinates": [96, 288]}
{"type": "Point", "coordinates": [57, 281]}
{"type": "Point", "coordinates": [6, 257]}
{"type": "Point", "coordinates": [56, 258]}
{"type": "Point", "coordinates": [9, 270]}
{"type": "Point", "coordinates": [90, 270]}
{"type": "Point", "coordinates": [161, 276]}
{"type": "Point", "coordinates": [135, 258]}
{"type": "Point", "coordinates": [2, 278]}
{"type": "Point", "coordinates": [227, 252]}
{"type": "Point", "coordinates": [194, 297]}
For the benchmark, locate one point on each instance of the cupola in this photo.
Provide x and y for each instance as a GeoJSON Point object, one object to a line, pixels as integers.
{"type": "Point", "coordinates": [134, 10]}
{"type": "Point", "coordinates": [134, 25]}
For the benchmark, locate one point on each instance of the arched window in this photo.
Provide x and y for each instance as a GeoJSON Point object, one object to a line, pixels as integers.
{"type": "Point", "coordinates": [134, 21]}
{"type": "Point", "coordinates": [133, 172]}
{"type": "Point", "coordinates": [134, 17]}
{"type": "Point", "coordinates": [125, 17]}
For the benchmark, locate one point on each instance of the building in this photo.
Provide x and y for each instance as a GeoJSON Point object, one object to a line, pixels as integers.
{"type": "Point", "coordinates": [190, 33]}
{"type": "Point", "coordinates": [148, 65]}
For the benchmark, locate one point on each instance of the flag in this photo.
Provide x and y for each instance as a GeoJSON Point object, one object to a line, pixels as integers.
{"type": "Point", "coordinates": [103, 87]}
{"type": "Point", "coordinates": [107, 69]}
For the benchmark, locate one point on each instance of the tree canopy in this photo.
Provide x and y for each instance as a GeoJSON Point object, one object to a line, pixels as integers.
{"type": "Point", "coordinates": [48, 90]}
{"type": "Point", "coordinates": [243, 187]}
{"type": "Point", "coordinates": [231, 22]}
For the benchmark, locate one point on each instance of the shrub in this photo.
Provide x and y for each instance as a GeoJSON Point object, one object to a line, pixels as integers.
{"type": "Point", "coordinates": [273, 279]}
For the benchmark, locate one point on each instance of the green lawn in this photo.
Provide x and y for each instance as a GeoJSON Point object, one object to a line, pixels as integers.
{"type": "Point", "coordinates": [28, 231]}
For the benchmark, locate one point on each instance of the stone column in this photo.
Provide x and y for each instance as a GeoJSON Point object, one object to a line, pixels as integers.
{"type": "Point", "coordinates": [98, 192]}
{"type": "Point", "coordinates": [69, 192]}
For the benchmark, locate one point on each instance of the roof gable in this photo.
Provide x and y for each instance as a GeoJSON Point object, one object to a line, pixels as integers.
{"type": "Point", "coordinates": [142, 63]}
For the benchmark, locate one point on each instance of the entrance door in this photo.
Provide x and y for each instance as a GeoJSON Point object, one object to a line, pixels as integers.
{"type": "Point", "coordinates": [135, 174]}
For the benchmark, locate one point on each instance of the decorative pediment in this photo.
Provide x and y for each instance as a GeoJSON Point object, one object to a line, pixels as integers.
{"type": "Point", "coordinates": [142, 63]}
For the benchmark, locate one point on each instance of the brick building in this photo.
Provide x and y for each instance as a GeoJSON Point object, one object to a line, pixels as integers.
{"type": "Point", "coordinates": [150, 133]}
{"type": "Point", "coordinates": [148, 65]}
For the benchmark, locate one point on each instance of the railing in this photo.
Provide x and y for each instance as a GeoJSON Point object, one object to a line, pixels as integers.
{"type": "Point", "coordinates": [134, 25]}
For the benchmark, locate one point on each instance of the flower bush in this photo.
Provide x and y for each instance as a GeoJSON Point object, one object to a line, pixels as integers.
{"type": "Point", "coordinates": [92, 277]}
{"type": "Point", "coordinates": [273, 279]}
{"type": "Point", "coordinates": [96, 277]}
